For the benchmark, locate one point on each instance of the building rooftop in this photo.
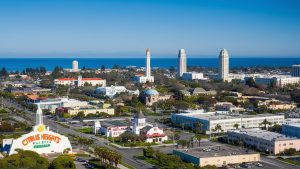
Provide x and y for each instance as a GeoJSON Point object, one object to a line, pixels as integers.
{"type": "Point", "coordinates": [216, 150]}
{"type": "Point", "coordinates": [218, 116]}
{"type": "Point", "coordinates": [151, 92]}
{"type": "Point", "coordinates": [292, 122]}
{"type": "Point", "coordinates": [263, 134]}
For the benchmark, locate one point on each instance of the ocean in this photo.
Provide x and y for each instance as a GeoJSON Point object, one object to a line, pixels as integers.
{"type": "Point", "coordinates": [13, 64]}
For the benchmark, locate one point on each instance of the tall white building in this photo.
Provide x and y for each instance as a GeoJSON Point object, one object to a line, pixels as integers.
{"type": "Point", "coordinates": [75, 66]}
{"type": "Point", "coordinates": [148, 78]}
{"type": "Point", "coordinates": [148, 66]}
{"type": "Point", "coordinates": [181, 62]}
{"type": "Point", "coordinates": [223, 65]}
{"type": "Point", "coordinates": [295, 71]}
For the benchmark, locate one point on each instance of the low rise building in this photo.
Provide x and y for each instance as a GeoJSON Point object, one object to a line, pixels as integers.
{"type": "Point", "coordinates": [80, 81]}
{"type": "Point", "coordinates": [53, 103]}
{"type": "Point", "coordinates": [113, 90]}
{"type": "Point", "coordinates": [263, 140]}
{"type": "Point", "coordinates": [291, 127]}
{"type": "Point", "coordinates": [73, 111]}
{"type": "Point", "coordinates": [209, 120]}
{"type": "Point", "coordinates": [151, 96]}
{"type": "Point", "coordinates": [218, 155]}
{"type": "Point", "coordinates": [201, 91]}
{"type": "Point", "coordinates": [227, 106]}
{"type": "Point", "coordinates": [193, 76]}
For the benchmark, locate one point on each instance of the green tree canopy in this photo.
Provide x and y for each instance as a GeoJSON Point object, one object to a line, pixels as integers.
{"type": "Point", "coordinates": [62, 162]}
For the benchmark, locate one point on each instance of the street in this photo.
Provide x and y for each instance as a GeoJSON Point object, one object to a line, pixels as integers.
{"type": "Point", "coordinates": [127, 154]}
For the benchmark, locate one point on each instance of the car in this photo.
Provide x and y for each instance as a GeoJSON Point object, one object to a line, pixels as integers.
{"type": "Point", "coordinates": [244, 165]}
{"type": "Point", "coordinates": [259, 164]}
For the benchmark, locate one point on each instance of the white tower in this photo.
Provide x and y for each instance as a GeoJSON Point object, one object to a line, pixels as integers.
{"type": "Point", "coordinates": [39, 116]}
{"type": "Point", "coordinates": [181, 62]}
{"type": "Point", "coordinates": [79, 81]}
{"type": "Point", "coordinates": [75, 66]}
{"type": "Point", "coordinates": [97, 126]}
{"type": "Point", "coordinates": [223, 65]}
{"type": "Point", "coordinates": [139, 122]}
{"type": "Point", "coordinates": [148, 67]}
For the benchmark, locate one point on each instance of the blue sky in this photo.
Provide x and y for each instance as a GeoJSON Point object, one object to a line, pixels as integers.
{"type": "Point", "coordinates": [125, 28]}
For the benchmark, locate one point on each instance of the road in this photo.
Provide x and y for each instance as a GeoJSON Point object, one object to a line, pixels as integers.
{"type": "Point", "coordinates": [127, 154]}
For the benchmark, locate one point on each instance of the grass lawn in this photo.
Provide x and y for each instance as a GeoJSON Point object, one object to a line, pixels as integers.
{"type": "Point", "coordinates": [149, 160]}
{"type": "Point", "coordinates": [289, 161]}
{"type": "Point", "coordinates": [86, 130]}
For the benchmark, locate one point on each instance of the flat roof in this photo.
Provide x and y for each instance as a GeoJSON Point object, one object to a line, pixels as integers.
{"type": "Point", "coordinates": [292, 122]}
{"type": "Point", "coordinates": [263, 134]}
{"type": "Point", "coordinates": [217, 150]}
{"type": "Point", "coordinates": [216, 116]}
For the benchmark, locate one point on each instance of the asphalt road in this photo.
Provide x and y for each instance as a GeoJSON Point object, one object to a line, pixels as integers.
{"type": "Point", "coordinates": [127, 154]}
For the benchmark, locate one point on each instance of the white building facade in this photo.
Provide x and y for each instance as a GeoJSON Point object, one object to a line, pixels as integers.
{"type": "Point", "coordinates": [181, 62]}
{"type": "Point", "coordinates": [223, 65]}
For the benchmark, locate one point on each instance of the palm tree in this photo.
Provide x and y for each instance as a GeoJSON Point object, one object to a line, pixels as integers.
{"type": "Point", "coordinates": [198, 127]}
{"type": "Point", "coordinates": [265, 123]}
{"type": "Point", "coordinates": [198, 137]}
{"type": "Point", "coordinates": [218, 128]}
{"type": "Point", "coordinates": [236, 126]}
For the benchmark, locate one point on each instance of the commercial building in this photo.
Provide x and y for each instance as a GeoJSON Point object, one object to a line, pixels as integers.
{"type": "Point", "coordinates": [193, 76]}
{"type": "Point", "coordinates": [113, 90]}
{"type": "Point", "coordinates": [53, 103]}
{"type": "Point", "coordinates": [80, 81]}
{"type": "Point", "coordinates": [295, 71]}
{"type": "Point", "coordinates": [227, 121]}
{"type": "Point", "coordinates": [291, 128]}
{"type": "Point", "coordinates": [218, 155]}
{"type": "Point", "coordinates": [263, 140]}
{"type": "Point", "coordinates": [228, 106]}
{"type": "Point", "coordinates": [40, 140]}
{"type": "Point", "coordinates": [181, 62]}
{"type": "Point", "coordinates": [73, 111]}
{"type": "Point", "coordinates": [223, 65]}
{"type": "Point", "coordinates": [140, 78]}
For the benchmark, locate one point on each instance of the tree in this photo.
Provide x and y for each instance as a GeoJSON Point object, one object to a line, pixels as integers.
{"type": "Point", "coordinates": [108, 156]}
{"type": "Point", "coordinates": [198, 137]}
{"type": "Point", "coordinates": [218, 128]}
{"type": "Point", "coordinates": [80, 115]}
{"type": "Point", "coordinates": [62, 162]}
{"type": "Point", "coordinates": [3, 73]}
{"type": "Point", "coordinates": [183, 143]}
{"type": "Point", "coordinates": [148, 152]}
{"type": "Point", "coordinates": [250, 82]}
{"type": "Point", "coordinates": [24, 159]}
{"type": "Point", "coordinates": [265, 123]}
{"type": "Point", "coordinates": [198, 127]}
{"type": "Point", "coordinates": [236, 126]}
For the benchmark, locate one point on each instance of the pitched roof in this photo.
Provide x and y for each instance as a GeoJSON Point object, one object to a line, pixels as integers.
{"type": "Point", "coordinates": [66, 79]}
{"type": "Point", "coordinates": [93, 78]}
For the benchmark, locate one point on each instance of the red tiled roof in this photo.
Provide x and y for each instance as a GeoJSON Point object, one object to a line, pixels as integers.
{"type": "Point", "coordinates": [93, 78]}
{"type": "Point", "coordinates": [155, 135]}
{"type": "Point", "coordinates": [66, 79]}
{"type": "Point", "coordinates": [139, 75]}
